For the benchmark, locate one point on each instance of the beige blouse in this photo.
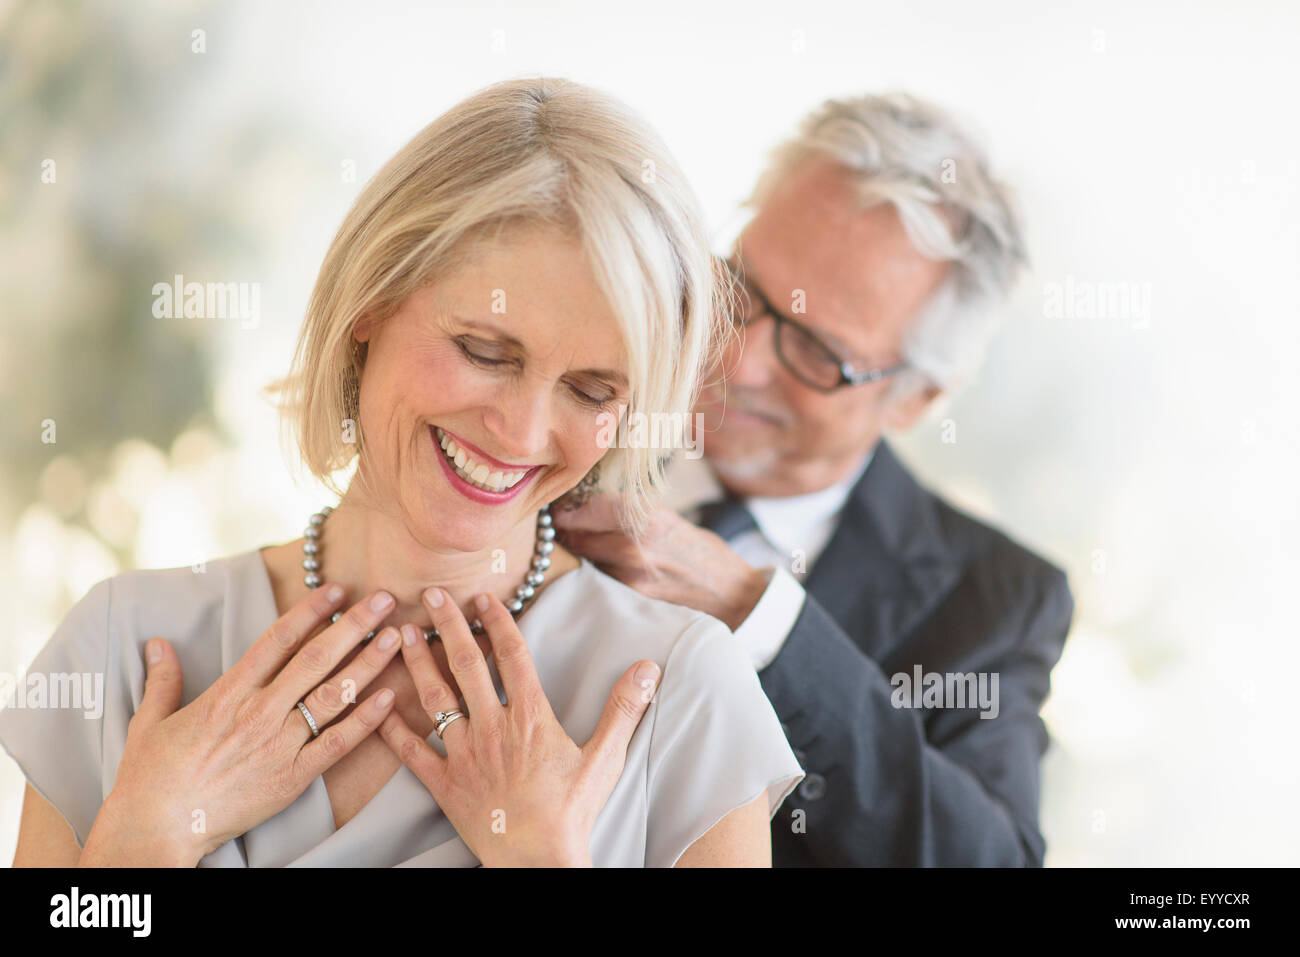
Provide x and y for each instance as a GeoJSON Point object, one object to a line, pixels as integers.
{"type": "Point", "coordinates": [708, 744]}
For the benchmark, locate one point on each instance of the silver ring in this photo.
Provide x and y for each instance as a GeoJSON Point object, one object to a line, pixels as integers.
{"type": "Point", "coordinates": [311, 722]}
{"type": "Point", "coordinates": [445, 718]}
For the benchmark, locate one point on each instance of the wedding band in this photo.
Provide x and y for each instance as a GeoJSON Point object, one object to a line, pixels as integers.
{"type": "Point", "coordinates": [311, 722]}
{"type": "Point", "coordinates": [445, 718]}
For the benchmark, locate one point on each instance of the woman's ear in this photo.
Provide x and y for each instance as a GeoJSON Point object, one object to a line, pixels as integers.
{"type": "Point", "coordinates": [362, 330]}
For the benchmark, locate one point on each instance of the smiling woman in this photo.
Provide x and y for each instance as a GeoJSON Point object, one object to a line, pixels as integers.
{"type": "Point", "coordinates": [546, 161]}
{"type": "Point", "coordinates": [509, 356]}
{"type": "Point", "coordinates": [510, 278]}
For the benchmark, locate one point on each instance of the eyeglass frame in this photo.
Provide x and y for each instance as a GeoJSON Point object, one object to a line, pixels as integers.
{"type": "Point", "coordinates": [849, 374]}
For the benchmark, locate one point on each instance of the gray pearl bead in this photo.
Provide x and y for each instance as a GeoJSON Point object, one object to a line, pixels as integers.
{"type": "Point", "coordinates": [534, 579]}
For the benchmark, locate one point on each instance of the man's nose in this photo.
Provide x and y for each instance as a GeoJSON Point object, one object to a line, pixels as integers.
{"type": "Point", "coordinates": [752, 361]}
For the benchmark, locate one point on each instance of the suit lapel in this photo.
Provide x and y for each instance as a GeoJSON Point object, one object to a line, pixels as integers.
{"type": "Point", "coordinates": [887, 563]}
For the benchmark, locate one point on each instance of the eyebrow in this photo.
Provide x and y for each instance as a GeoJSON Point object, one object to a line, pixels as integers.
{"type": "Point", "coordinates": [844, 349]}
{"type": "Point", "coordinates": [613, 375]}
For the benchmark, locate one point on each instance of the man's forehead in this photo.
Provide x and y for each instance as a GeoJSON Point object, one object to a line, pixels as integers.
{"type": "Point", "coordinates": [824, 221]}
{"type": "Point", "coordinates": [854, 262]}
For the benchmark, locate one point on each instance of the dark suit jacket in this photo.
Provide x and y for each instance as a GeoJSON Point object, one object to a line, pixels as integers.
{"type": "Point", "coordinates": [906, 579]}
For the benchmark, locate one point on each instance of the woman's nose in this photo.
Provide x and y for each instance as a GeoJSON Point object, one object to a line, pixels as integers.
{"type": "Point", "coordinates": [521, 423]}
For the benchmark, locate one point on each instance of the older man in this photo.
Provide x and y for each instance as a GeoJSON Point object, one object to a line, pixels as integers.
{"type": "Point", "coordinates": [905, 646]}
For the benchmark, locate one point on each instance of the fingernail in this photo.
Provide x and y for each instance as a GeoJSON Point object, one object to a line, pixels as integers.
{"type": "Point", "coordinates": [385, 698]}
{"type": "Point", "coordinates": [434, 596]}
{"type": "Point", "coordinates": [153, 652]}
{"type": "Point", "coordinates": [387, 640]}
{"type": "Point", "coordinates": [381, 602]}
{"type": "Point", "coordinates": [481, 602]}
{"type": "Point", "coordinates": [409, 633]}
{"type": "Point", "coordinates": [649, 671]}
{"type": "Point", "coordinates": [335, 593]}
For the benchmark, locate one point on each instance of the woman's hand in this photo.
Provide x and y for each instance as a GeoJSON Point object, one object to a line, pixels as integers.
{"type": "Point", "coordinates": [190, 780]}
{"type": "Point", "coordinates": [517, 789]}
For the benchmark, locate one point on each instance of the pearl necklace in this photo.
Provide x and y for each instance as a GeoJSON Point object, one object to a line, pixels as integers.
{"type": "Point", "coordinates": [311, 552]}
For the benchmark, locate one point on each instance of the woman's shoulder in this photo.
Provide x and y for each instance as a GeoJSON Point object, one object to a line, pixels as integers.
{"type": "Point", "coordinates": [710, 741]}
{"type": "Point", "coordinates": [182, 587]}
{"type": "Point", "coordinates": [207, 575]}
{"type": "Point", "coordinates": [609, 619]}
{"type": "Point", "coordinates": [85, 683]}
{"type": "Point", "coordinates": [637, 618]}
{"type": "Point", "coordinates": [177, 603]}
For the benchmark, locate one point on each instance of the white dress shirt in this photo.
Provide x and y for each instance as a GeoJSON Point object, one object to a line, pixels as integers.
{"type": "Point", "coordinates": [791, 535]}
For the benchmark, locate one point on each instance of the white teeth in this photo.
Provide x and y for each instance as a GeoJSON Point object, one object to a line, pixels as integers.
{"type": "Point", "coordinates": [476, 473]}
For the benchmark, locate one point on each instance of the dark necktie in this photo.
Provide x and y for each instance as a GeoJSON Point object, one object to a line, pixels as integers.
{"type": "Point", "coordinates": [726, 518]}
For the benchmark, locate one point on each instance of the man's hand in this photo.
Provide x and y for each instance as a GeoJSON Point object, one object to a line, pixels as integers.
{"type": "Point", "coordinates": [674, 561]}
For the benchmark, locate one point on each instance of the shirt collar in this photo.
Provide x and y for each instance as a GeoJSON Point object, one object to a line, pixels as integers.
{"type": "Point", "coordinates": [786, 520]}
{"type": "Point", "coordinates": [782, 520]}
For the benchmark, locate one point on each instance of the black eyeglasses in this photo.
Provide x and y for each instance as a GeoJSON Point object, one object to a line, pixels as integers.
{"type": "Point", "coordinates": [804, 355]}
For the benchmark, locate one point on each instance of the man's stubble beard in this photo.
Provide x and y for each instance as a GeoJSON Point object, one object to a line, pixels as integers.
{"type": "Point", "coordinates": [747, 468]}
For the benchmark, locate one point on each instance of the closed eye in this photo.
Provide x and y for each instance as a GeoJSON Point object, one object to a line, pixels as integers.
{"type": "Point", "coordinates": [479, 359]}
{"type": "Point", "coordinates": [595, 401]}
{"type": "Point", "coordinates": [586, 398]}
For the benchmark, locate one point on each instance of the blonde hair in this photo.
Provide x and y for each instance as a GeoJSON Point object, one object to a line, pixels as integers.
{"type": "Point", "coordinates": [524, 151]}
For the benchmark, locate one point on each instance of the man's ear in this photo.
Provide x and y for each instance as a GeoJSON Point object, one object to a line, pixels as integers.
{"type": "Point", "coordinates": [903, 413]}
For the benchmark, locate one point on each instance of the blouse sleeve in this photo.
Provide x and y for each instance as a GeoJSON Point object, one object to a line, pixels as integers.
{"type": "Point", "coordinates": [55, 732]}
{"type": "Point", "coordinates": [715, 745]}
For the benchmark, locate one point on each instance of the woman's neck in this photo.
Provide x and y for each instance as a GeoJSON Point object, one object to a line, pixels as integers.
{"type": "Point", "coordinates": [365, 549]}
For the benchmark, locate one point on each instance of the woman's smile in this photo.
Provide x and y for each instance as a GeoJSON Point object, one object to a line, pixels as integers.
{"type": "Point", "coordinates": [477, 475]}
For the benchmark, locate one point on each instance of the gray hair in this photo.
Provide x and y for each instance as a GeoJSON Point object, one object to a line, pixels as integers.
{"type": "Point", "coordinates": [901, 150]}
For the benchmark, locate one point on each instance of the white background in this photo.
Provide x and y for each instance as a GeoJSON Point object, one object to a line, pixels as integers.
{"type": "Point", "coordinates": [1153, 457]}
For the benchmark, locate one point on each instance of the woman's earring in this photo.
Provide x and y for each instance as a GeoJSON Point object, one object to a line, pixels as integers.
{"type": "Point", "coordinates": [352, 384]}
{"type": "Point", "coordinates": [579, 495]}
{"type": "Point", "coordinates": [351, 398]}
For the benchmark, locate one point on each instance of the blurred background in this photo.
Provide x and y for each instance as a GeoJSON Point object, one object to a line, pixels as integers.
{"type": "Point", "coordinates": [1150, 449]}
